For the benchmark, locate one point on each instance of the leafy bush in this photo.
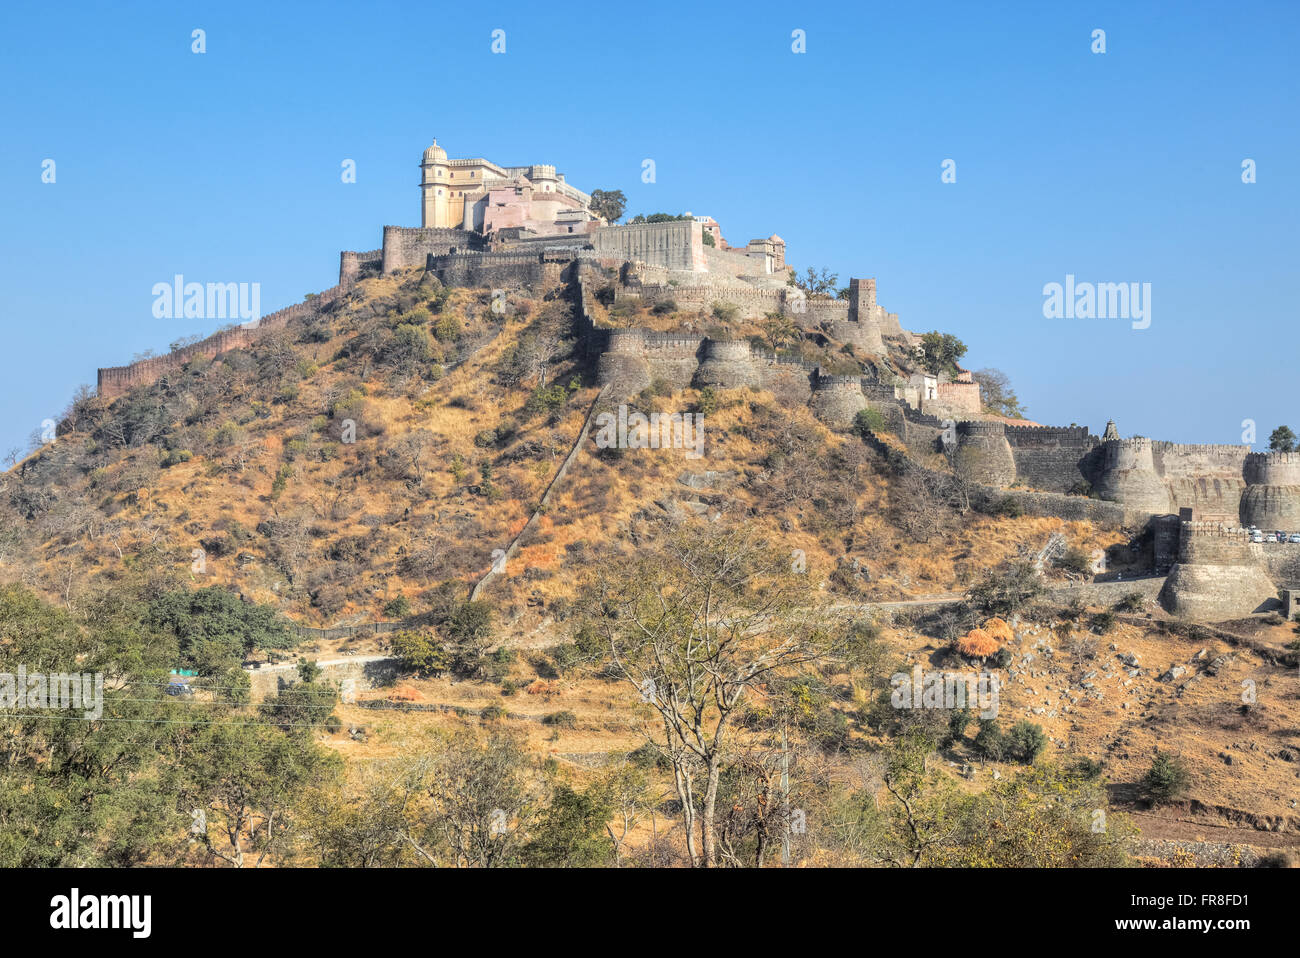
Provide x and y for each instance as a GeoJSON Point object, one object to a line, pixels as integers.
{"type": "Point", "coordinates": [868, 421]}
{"type": "Point", "coordinates": [1075, 560]}
{"type": "Point", "coordinates": [175, 457]}
{"type": "Point", "coordinates": [1007, 507]}
{"type": "Point", "coordinates": [1167, 779]}
{"type": "Point", "coordinates": [725, 312]}
{"type": "Point", "coordinates": [1132, 602]}
{"type": "Point", "coordinates": [707, 402]}
{"type": "Point", "coordinates": [546, 399]}
{"type": "Point", "coordinates": [447, 329]}
{"type": "Point", "coordinates": [398, 608]}
{"type": "Point", "coordinates": [1003, 591]}
{"type": "Point", "coordinates": [561, 719]}
{"type": "Point", "coordinates": [990, 742]}
{"type": "Point", "coordinates": [1103, 622]}
{"type": "Point", "coordinates": [1025, 741]}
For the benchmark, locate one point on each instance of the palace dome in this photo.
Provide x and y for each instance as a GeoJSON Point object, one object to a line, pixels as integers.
{"type": "Point", "coordinates": [435, 153]}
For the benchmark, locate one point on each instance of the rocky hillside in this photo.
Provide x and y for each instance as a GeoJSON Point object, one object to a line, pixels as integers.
{"type": "Point", "coordinates": [374, 461]}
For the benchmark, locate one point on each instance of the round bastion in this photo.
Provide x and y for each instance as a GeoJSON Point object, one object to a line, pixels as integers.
{"type": "Point", "coordinates": [1128, 476]}
{"type": "Point", "coordinates": [1271, 499]}
{"type": "Point", "coordinates": [623, 366]}
{"type": "Point", "coordinates": [983, 454]}
{"type": "Point", "coordinates": [837, 400]}
{"type": "Point", "coordinates": [727, 365]}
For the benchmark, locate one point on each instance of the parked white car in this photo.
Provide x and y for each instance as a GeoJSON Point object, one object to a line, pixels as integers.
{"type": "Point", "coordinates": [1257, 537]}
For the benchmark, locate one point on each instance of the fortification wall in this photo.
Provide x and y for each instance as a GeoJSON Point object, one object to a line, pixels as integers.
{"type": "Point", "coordinates": [1272, 468]}
{"type": "Point", "coordinates": [731, 263]}
{"type": "Point", "coordinates": [504, 270]}
{"type": "Point", "coordinates": [983, 454]}
{"type": "Point", "coordinates": [960, 400]}
{"type": "Point", "coordinates": [1109, 592]}
{"type": "Point", "coordinates": [1058, 505]}
{"type": "Point", "coordinates": [728, 365]}
{"type": "Point", "coordinates": [675, 245]}
{"type": "Point", "coordinates": [360, 672]}
{"type": "Point", "coordinates": [1217, 576]}
{"type": "Point", "coordinates": [1281, 560]}
{"type": "Point", "coordinates": [1272, 498]}
{"type": "Point", "coordinates": [1053, 458]}
{"type": "Point", "coordinates": [116, 380]}
{"type": "Point", "coordinates": [674, 359]}
{"type": "Point", "coordinates": [411, 246]}
{"type": "Point", "coordinates": [836, 400]}
{"type": "Point", "coordinates": [352, 263]}
{"type": "Point", "coordinates": [864, 336]}
{"type": "Point", "coordinates": [1180, 461]}
{"type": "Point", "coordinates": [753, 303]}
{"type": "Point", "coordinates": [1218, 499]}
{"type": "Point", "coordinates": [1128, 476]}
{"type": "Point", "coordinates": [113, 381]}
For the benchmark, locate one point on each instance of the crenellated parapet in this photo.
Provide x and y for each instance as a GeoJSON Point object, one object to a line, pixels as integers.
{"type": "Point", "coordinates": [1216, 577]}
{"type": "Point", "coordinates": [1271, 499]}
{"type": "Point", "coordinates": [1273, 468]}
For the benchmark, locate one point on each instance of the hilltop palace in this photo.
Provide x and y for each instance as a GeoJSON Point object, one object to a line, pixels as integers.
{"type": "Point", "coordinates": [525, 227]}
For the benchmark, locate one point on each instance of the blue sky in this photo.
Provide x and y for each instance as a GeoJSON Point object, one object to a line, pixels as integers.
{"type": "Point", "coordinates": [1115, 167]}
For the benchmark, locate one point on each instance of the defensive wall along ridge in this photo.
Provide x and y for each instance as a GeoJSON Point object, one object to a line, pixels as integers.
{"type": "Point", "coordinates": [658, 262]}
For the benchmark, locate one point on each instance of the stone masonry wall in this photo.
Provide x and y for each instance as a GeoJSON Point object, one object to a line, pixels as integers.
{"type": "Point", "coordinates": [363, 671]}
{"type": "Point", "coordinates": [408, 246]}
{"type": "Point", "coordinates": [1054, 459]}
{"type": "Point", "coordinates": [113, 381]}
{"type": "Point", "coordinates": [675, 245]}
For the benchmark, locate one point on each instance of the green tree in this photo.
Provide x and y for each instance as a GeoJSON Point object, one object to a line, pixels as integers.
{"type": "Point", "coordinates": [1044, 817]}
{"type": "Point", "coordinates": [1282, 439]}
{"type": "Point", "coordinates": [940, 352]}
{"type": "Point", "coordinates": [989, 741]}
{"type": "Point", "coordinates": [779, 330]}
{"type": "Point", "coordinates": [481, 801]}
{"type": "Point", "coordinates": [817, 283]}
{"type": "Point", "coordinates": [571, 831]}
{"type": "Point", "coordinates": [1007, 589]}
{"type": "Point", "coordinates": [609, 204]}
{"type": "Point", "coordinates": [245, 780]}
{"type": "Point", "coordinates": [215, 629]}
{"type": "Point", "coordinates": [420, 652]}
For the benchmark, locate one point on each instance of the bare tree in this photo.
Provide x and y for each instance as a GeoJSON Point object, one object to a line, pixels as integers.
{"type": "Point", "coordinates": [693, 623]}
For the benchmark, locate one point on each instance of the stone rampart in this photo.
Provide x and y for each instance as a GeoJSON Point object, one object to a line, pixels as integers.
{"type": "Point", "coordinates": [675, 245]}
{"type": "Point", "coordinates": [113, 381]}
{"type": "Point", "coordinates": [406, 246]}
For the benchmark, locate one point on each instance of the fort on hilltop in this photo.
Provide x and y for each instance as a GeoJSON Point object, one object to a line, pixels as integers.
{"type": "Point", "coordinates": [485, 225]}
